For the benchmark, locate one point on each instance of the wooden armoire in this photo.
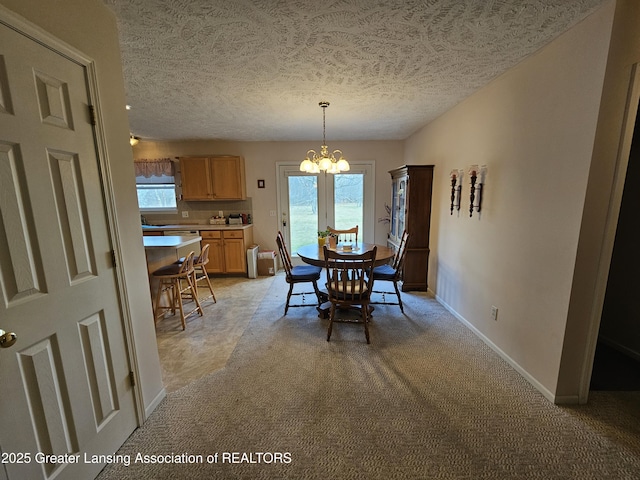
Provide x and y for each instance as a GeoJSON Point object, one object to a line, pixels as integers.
{"type": "Point", "coordinates": [411, 211]}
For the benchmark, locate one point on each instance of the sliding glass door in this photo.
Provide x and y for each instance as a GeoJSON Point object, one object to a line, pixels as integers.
{"type": "Point", "coordinates": [311, 202]}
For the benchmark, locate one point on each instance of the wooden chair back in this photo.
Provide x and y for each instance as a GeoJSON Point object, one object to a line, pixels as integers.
{"type": "Point", "coordinates": [284, 254]}
{"type": "Point", "coordinates": [398, 260]}
{"type": "Point", "coordinates": [347, 279]}
{"type": "Point", "coordinates": [349, 284]}
{"type": "Point", "coordinates": [342, 234]}
{"type": "Point", "coordinates": [203, 258]}
{"type": "Point", "coordinates": [186, 267]}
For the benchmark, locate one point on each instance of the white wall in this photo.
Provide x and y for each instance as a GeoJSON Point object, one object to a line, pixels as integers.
{"type": "Point", "coordinates": [88, 26]}
{"type": "Point", "coordinates": [534, 128]}
{"type": "Point", "coordinates": [260, 163]}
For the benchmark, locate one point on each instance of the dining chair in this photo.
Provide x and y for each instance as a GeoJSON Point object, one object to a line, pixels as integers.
{"type": "Point", "coordinates": [298, 274]}
{"type": "Point", "coordinates": [348, 285]}
{"type": "Point", "coordinates": [391, 273]}
{"type": "Point", "coordinates": [171, 278]}
{"type": "Point", "coordinates": [342, 234]}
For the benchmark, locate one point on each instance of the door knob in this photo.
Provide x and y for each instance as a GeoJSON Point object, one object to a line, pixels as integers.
{"type": "Point", "coordinates": [7, 339]}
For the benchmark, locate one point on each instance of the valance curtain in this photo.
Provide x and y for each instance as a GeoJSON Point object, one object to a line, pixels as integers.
{"type": "Point", "coordinates": [155, 167]}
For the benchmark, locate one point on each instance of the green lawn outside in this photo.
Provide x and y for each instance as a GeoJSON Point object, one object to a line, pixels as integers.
{"type": "Point", "coordinates": [304, 224]}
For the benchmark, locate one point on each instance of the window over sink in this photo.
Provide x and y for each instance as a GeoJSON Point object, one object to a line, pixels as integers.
{"type": "Point", "coordinates": [156, 194]}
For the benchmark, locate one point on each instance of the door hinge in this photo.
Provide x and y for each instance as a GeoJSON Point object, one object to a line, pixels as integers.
{"type": "Point", "coordinates": [132, 379]}
{"type": "Point", "coordinates": [114, 264]}
{"type": "Point", "coordinates": [92, 114]}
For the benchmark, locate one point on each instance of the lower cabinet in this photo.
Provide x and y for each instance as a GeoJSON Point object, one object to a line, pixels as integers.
{"type": "Point", "coordinates": [227, 249]}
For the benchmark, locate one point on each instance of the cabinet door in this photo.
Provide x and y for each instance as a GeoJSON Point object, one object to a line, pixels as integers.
{"type": "Point", "coordinates": [196, 178]}
{"type": "Point", "coordinates": [403, 184]}
{"type": "Point", "coordinates": [228, 178]}
{"type": "Point", "coordinates": [216, 255]}
{"type": "Point", "coordinates": [235, 259]}
{"type": "Point", "coordinates": [393, 227]}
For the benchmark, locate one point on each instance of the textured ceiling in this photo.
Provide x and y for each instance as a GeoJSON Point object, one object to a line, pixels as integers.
{"type": "Point", "coordinates": [256, 69]}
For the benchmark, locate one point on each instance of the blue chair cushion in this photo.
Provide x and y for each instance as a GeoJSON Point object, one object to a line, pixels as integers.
{"type": "Point", "coordinates": [305, 272]}
{"type": "Point", "coordinates": [384, 272]}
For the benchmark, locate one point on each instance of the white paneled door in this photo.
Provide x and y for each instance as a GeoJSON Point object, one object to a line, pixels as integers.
{"type": "Point", "coordinates": [66, 393]}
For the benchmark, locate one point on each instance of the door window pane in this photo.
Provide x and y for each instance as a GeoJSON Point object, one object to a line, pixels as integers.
{"type": "Point", "coordinates": [303, 210]}
{"type": "Point", "coordinates": [348, 201]}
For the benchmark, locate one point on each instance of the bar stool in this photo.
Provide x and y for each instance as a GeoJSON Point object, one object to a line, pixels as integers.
{"type": "Point", "coordinates": [170, 280]}
{"type": "Point", "coordinates": [200, 272]}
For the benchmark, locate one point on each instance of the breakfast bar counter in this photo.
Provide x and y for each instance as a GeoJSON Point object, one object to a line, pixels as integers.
{"type": "Point", "coordinates": [164, 250]}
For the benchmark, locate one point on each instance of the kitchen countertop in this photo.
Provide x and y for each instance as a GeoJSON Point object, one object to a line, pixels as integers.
{"type": "Point", "coordinates": [200, 227]}
{"type": "Point", "coordinates": [171, 241]}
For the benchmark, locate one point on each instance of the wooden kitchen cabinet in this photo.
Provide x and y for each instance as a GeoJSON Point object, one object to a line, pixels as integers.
{"type": "Point", "coordinates": [411, 211]}
{"type": "Point", "coordinates": [235, 254]}
{"type": "Point", "coordinates": [227, 249]}
{"type": "Point", "coordinates": [216, 250]}
{"type": "Point", "coordinates": [219, 177]}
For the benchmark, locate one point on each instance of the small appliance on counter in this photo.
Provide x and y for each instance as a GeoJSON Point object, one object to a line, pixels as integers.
{"type": "Point", "coordinates": [235, 219]}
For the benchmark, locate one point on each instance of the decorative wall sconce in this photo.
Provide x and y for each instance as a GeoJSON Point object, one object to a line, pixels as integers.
{"type": "Point", "coordinates": [476, 176]}
{"type": "Point", "coordinates": [454, 179]}
{"type": "Point", "coordinates": [456, 189]}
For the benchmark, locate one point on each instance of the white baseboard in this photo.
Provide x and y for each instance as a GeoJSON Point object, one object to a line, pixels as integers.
{"type": "Point", "coordinates": [536, 384]}
{"type": "Point", "coordinates": [154, 403]}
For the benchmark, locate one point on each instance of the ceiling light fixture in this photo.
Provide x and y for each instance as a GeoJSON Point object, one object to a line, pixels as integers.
{"type": "Point", "coordinates": [133, 140]}
{"type": "Point", "coordinates": [325, 161]}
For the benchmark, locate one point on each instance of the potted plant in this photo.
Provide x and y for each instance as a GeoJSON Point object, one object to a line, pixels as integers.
{"type": "Point", "coordinates": [322, 237]}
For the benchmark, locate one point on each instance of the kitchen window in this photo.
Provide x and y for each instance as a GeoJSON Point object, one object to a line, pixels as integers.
{"type": "Point", "coordinates": [156, 186]}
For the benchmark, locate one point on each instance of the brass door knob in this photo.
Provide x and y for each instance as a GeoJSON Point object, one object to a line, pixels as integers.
{"type": "Point", "coordinates": [7, 339]}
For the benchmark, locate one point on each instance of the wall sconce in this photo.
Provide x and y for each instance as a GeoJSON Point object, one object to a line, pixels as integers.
{"type": "Point", "coordinates": [133, 140]}
{"type": "Point", "coordinates": [454, 180]}
{"type": "Point", "coordinates": [456, 188]}
{"type": "Point", "coordinates": [476, 175]}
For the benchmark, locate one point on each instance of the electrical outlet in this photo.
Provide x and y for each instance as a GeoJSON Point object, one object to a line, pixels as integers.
{"type": "Point", "coordinates": [272, 213]}
{"type": "Point", "coordinates": [185, 214]}
{"type": "Point", "coordinates": [494, 313]}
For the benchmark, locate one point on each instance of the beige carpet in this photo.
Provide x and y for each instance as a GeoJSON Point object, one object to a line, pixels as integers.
{"type": "Point", "coordinates": [426, 399]}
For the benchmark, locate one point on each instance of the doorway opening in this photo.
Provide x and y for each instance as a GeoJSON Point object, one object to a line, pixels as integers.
{"type": "Point", "coordinates": [617, 359]}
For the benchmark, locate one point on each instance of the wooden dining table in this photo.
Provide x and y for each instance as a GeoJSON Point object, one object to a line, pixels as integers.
{"type": "Point", "coordinates": [313, 254]}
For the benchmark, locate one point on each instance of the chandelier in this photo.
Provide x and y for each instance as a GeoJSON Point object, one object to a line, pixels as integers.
{"type": "Point", "coordinates": [325, 161]}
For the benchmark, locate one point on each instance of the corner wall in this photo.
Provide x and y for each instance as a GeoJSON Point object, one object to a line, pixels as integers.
{"type": "Point", "coordinates": [534, 128]}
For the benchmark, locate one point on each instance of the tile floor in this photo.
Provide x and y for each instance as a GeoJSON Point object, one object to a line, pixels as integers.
{"type": "Point", "coordinates": [207, 342]}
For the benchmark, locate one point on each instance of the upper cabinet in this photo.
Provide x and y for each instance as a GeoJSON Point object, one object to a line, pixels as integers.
{"type": "Point", "coordinates": [213, 178]}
